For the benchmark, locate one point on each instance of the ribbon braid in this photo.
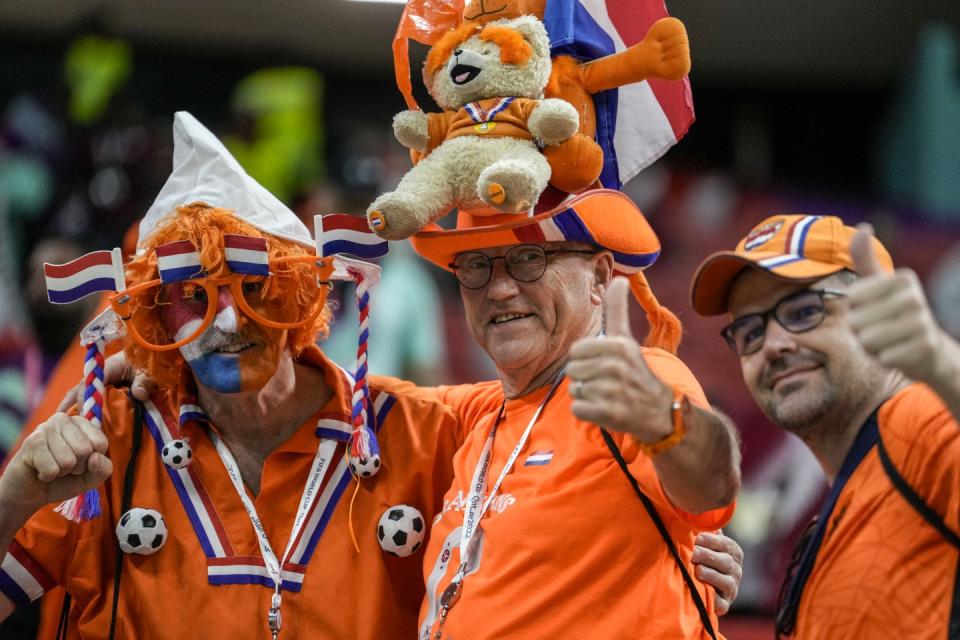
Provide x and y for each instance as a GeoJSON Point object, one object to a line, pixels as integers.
{"type": "Point", "coordinates": [363, 442]}
{"type": "Point", "coordinates": [87, 505]}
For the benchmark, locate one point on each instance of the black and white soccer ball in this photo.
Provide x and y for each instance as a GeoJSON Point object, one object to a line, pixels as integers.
{"type": "Point", "coordinates": [177, 454]}
{"type": "Point", "coordinates": [365, 467]}
{"type": "Point", "coordinates": [141, 531]}
{"type": "Point", "coordinates": [401, 530]}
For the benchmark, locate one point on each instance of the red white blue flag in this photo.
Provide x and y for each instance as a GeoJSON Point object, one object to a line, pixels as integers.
{"type": "Point", "coordinates": [343, 233]}
{"type": "Point", "coordinates": [87, 274]}
{"type": "Point", "coordinates": [178, 261]}
{"type": "Point", "coordinates": [539, 458]}
{"type": "Point", "coordinates": [636, 123]}
{"type": "Point", "coordinates": [246, 254]}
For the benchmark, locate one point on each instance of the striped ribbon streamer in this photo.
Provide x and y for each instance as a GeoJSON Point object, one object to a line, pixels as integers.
{"type": "Point", "coordinates": [363, 442]}
{"type": "Point", "coordinates": [87, 505]}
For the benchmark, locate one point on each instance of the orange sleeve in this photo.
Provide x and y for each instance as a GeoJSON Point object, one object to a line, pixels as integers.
{"type": "Point", "coordinates": [674, 373]}
{"type": "Point", "coordinates": [471, 402]}
{"type": "Point", "coordinates": [923, 442]}
{"type": "Point", "coordinates": [438, 124]}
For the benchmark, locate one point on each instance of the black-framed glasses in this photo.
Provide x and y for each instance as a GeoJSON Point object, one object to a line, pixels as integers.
{"type": "Point", "coordinates": [525, 263]}
{"type": "Point", "coordinates": [796, 313]}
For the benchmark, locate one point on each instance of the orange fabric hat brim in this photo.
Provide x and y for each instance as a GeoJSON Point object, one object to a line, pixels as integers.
{"type": "Point", "coordinates": [602, 217]}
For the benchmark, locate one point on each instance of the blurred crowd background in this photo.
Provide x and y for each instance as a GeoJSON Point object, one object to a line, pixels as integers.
{"type": "Point", "coordinates": [850, 109]}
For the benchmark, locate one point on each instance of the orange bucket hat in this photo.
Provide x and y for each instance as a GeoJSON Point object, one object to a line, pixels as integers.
{"type": "Point", "coordinates": [797, 248]}
{"type": "Point", "coordinates": [604, 218]}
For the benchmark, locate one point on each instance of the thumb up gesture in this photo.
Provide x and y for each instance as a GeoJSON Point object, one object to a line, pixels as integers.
{"type": "Point", "coordinates": [890, 316]}
{"type": "Point", "coordinates": [610, 381]}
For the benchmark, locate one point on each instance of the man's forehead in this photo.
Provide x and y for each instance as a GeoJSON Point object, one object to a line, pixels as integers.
{"type": "Point", "coordinates": [755, 290]}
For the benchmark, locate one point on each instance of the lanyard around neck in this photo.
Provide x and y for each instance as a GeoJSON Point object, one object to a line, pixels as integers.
{"type": "Point", "coordinates": [476, 505]}
{"type": "Point", "coordinates": [273, 564]}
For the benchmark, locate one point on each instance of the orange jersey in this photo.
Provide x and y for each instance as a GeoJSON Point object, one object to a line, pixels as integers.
{"type": "Point", "coordinates": [209, 579]}
{"type": "Point", "coordinates": [882, 571]}
{"type": "Point", "coordinates": [472, 120]}
{"type": "Point", "coordinates": [566, 549]}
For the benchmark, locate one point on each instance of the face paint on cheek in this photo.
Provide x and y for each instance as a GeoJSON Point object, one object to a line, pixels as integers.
{"type": "Point", "coordinates": [220, 372]}
{"type": "Point", "coordinates": [258, 365]}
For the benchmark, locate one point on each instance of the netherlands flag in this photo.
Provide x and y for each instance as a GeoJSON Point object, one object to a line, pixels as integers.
{"type": "Point", "coordinates": [246, 254]}
{"type": "Point", "coordinates": [97, 271]}
{"type": "Point", "coordinates": [636, 123]}
{"type": "Point", "coordinates": [539, 458]}
{"type": "Point", "coordinates": [343, 233]}
{"type": "Point", "coordinates": [178, 261]}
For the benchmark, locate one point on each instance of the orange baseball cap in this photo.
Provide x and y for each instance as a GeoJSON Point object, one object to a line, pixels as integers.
{"type": "Point", "coordinates": [797, 248]}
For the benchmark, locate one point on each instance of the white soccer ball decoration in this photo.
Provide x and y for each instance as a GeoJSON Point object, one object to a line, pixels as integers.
{"type": "Point", "coordinates": [141, 531]}
{"type": "Point", "coordinates": [365, 467]}
{"type": "Point", "coordinates": [401, 530]}
{"type": "Point", "coordinates": [177, 454]}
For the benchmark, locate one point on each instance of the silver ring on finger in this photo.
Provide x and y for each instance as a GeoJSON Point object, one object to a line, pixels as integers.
{"type": "Point", "coordinates": [578, 389]}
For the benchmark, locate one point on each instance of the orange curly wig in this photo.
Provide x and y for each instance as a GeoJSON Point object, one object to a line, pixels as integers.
{"type": "Point", "coordinates": [205, 226]}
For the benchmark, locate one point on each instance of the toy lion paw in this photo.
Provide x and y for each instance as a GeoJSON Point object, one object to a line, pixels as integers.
{"type": "Point", "coordinates": [510, 186]}
{"type": "Point", "coordinates": [553, 121]}
{"type": "Point", "coordinates": [395, 216]}
{"type": "Point", "coordinates": [668, 48]}
{"type": "Point", "coordinates": [411, 129]}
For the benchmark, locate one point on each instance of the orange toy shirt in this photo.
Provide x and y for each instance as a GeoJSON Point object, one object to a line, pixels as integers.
{"type": "Point", "coordinates": [208, 580]}
{"type": "Point", "coordinates": [882, 571]}
{"type": "Point", "coordinates": [566, 549]}
{"type": "Point", "coordinates": [489, 118]}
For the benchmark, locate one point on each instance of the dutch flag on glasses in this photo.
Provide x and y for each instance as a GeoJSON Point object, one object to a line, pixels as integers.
{"type": "Point", "coordinates": [246, 254]}
{"type": "Point", "coordinates": [97, 271]}
{"type": "Point", "coordinates": [178, 261]}
{"type": "Point", "coordinates": [343, 233]}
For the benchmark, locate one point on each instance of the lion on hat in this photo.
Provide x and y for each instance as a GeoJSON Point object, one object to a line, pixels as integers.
{"type": "Point", "coordinates": [483, 151]}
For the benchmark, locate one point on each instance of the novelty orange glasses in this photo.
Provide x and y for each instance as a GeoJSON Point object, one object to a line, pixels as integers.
{"type": "Point", "coordinates": [164, 316]}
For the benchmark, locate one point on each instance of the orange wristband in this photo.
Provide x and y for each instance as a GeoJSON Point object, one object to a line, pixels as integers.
{"type": "Point", "coordinates": [674, 438]}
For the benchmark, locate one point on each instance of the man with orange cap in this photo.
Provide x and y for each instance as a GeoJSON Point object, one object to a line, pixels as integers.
{"type": "Point", "coordinates": [842, 351]}
{"type": "Point", "coordinates": [596, 460]}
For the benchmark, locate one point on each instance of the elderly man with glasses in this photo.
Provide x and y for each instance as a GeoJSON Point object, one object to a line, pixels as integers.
{"type": "Point", "coordinates": [841, 351]}
{"type": "Point", "coordinates": [582, 486]}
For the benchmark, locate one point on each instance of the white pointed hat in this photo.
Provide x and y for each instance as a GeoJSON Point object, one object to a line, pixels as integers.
{"type": "Point", "coordinates": [204, 171]}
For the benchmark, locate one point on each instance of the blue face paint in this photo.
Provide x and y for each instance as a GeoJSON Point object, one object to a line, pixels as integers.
{"type": "Point", "coordinates": [218, 371]}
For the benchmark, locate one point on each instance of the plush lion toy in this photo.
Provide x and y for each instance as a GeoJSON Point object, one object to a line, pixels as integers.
{"type": "Point", "coordinates": [483, 151]}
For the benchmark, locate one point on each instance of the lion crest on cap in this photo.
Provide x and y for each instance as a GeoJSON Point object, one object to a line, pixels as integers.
{"type": "Point", "coordinates": [761, 235]}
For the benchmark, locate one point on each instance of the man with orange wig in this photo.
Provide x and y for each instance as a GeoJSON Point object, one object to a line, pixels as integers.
{"type": "Point", "coordinates": [223, 305]}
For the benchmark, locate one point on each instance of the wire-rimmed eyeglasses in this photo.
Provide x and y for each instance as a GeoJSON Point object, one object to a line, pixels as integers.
{"type": "Point", "coordinates": [525, 263]}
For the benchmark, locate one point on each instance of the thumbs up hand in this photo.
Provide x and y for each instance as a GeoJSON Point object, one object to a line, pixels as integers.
{"type": "Point", "coordinates": [610, 381]}
{"type": "Point", "coordinates": [890, 316]}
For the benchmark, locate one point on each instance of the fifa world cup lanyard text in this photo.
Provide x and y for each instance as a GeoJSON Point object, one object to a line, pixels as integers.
{"type": "Point", "coordinates": [274, 565]}
{"type": "Point", "coordinates": [475, 512]}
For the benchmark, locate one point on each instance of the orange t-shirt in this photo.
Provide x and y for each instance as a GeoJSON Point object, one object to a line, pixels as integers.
{"type": "Point", "coordinates": [882, 571]}
{"type": "Point", "coordinates": [509, 122]}
{"type": "Point", "coordinates": [566, 549]}
{"type": "Point", "coordinates": [175, 592]}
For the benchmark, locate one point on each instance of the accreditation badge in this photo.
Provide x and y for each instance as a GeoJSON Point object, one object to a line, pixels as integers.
{"type": "Point", "coordinates": [484, 127]}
